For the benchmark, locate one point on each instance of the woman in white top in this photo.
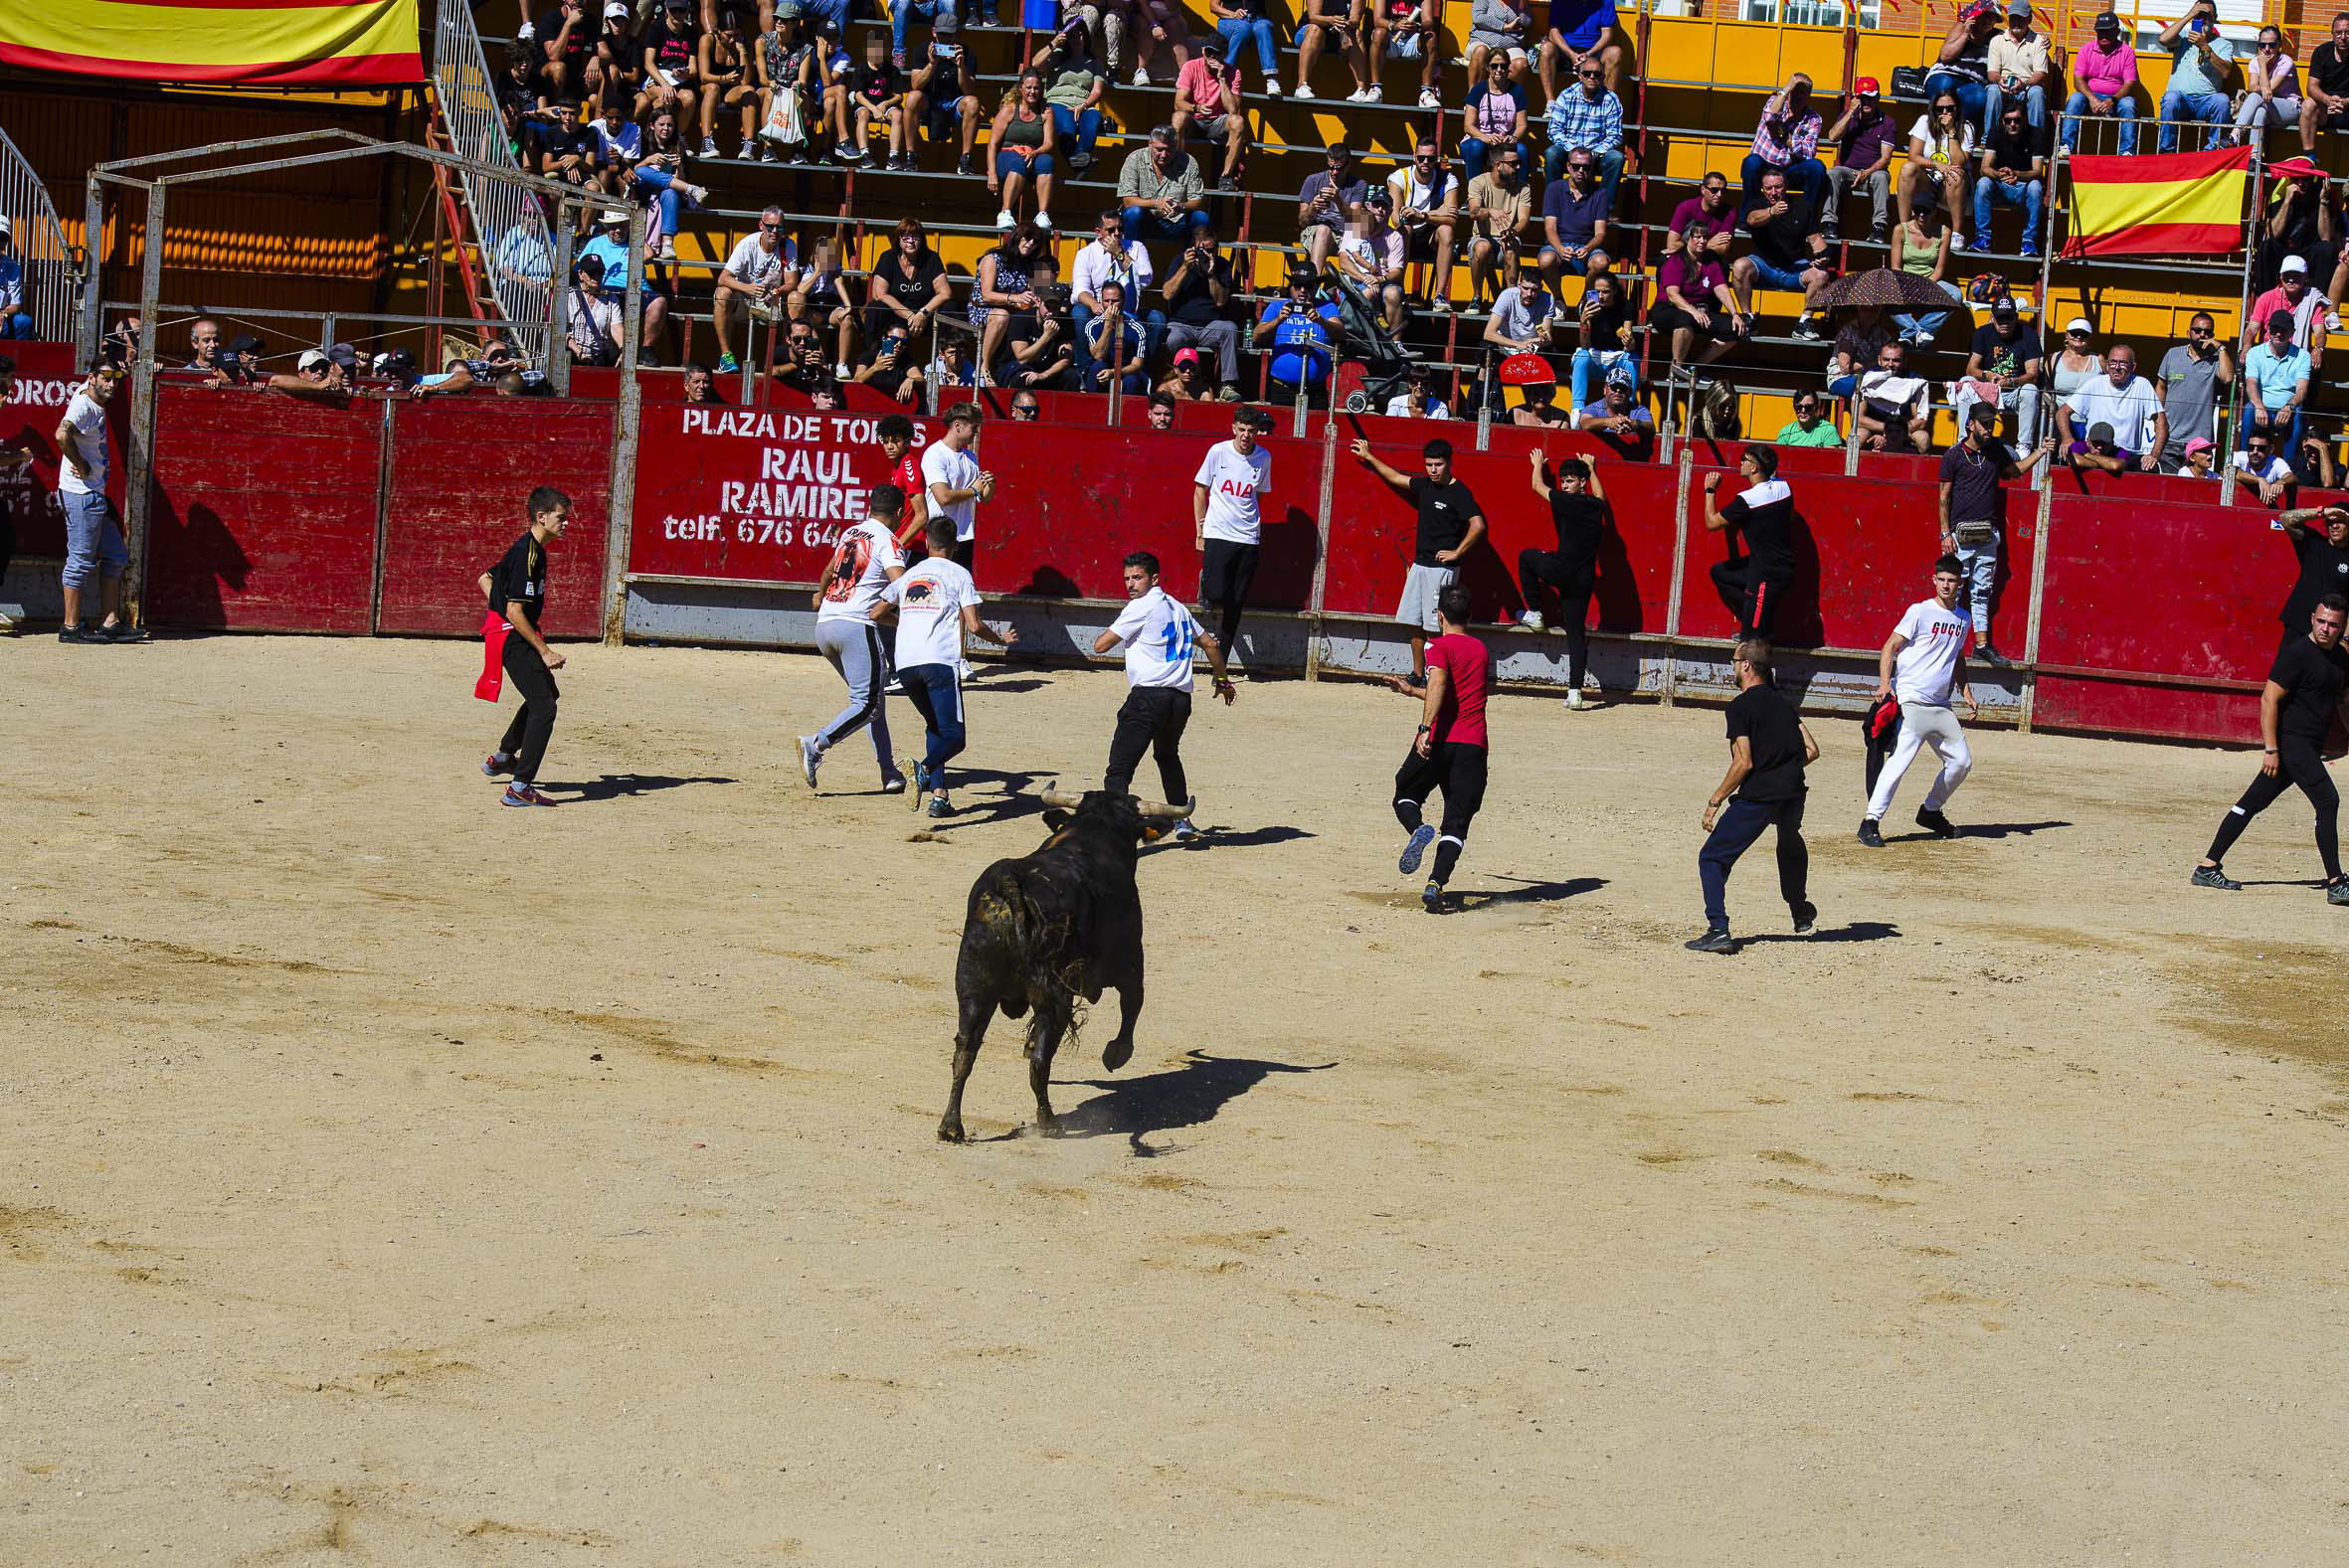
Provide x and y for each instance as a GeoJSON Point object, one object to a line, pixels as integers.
{"type": "Point", "coordinates": [2075, 362]}
{"type": "Point", "coordinates": [1940, 146]}
{"type": "Point", "coordinates": [2270, 88]}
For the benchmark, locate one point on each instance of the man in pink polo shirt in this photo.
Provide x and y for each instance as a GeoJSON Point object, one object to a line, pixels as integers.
{"type": "Point", "coordinates": [2105, 74]}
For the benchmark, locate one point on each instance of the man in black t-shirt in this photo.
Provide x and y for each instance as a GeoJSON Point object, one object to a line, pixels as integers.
{"type": "Point", "coordinates": [566, 38]}
{"type": "Point", "coordinates": [516, 593]}
{"type": "Point", "coordinates": [1450, 525]}
{"type": "Point", "coordinates": [1579, 510]}
{"type": "Point", "coordinates": [2328, 88]}
{"type": "Point", "coordinates": [2010, 172]}
{"type": "Point", "coordinates": [1789, 251]}
{"type": "Point", "coordinates": [1198, 287]}
{"type": "Point", "coordinates": [2324, 563]}
{"type": "Point", "coordinates": [1769, 748]}
{"type": "Point", "coordinates": [2296, 711]}
{"type": "Point", "coordinates": [1764, 515]}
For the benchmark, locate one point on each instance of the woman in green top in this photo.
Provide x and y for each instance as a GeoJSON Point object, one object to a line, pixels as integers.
{"type": "Point", "coordinates": [1807, 429]}
{"type": "Point", "coordinates": [1073, 86]}
{"type": "Point", "coordinates": [1023, 143]}
{"type": "Point", "coordinates": [1921, 247]}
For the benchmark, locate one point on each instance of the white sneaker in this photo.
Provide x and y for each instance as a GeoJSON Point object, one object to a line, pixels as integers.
{"type": "Point", "coordinates": [1043, 219]}
{"type": "Point", "coordinates": [1957, 242]}
{"type": "Point", "coordinates": [2332, 323]}
{"type": "Point", "coordinates": [811, 757]}
{"type": "Point", "coordinates": [1005, 220]}
{"type": "Point", "coordinates": [1142, 76]}
{"type": "Point", "coordinates": [841, 372]}
{"type": "Point", "coordinates": [709, 146]}
{"type": "Point", "coordinates": [1575, 702]}
{"type": "Point", "coordinates": [1303, 94]}
{"type": "Point", "coordinates": [1183, 832]}
{"type": "Point", "coordinates": [1362, 95]}
{"type": "Point", "coordinates": [1428, 100]}
{"type": "Point", "coordinates": [1272, 88]}
{"type": "Point", "coordinates": [1530, 621]}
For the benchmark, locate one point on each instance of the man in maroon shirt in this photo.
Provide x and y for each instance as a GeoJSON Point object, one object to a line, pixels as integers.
{"type": "Point", "coordinates": [1449, 751]}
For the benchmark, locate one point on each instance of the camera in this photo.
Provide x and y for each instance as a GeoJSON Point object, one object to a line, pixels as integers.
{"type": "Point", "coordinates": [1053, 297]}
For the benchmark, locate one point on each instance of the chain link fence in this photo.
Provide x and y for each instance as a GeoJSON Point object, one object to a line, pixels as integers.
{"type": "Point", "coordinates": [517, 249]}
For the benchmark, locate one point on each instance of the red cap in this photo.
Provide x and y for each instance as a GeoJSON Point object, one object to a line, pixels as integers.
{"type": "Point", "coordinates": [1867, 87]}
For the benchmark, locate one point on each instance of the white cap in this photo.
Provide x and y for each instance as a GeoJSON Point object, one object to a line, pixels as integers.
{"type": "Point", "coordinates": [617, 9]}
{"type": "Point", "coordinates": [2080, 324]}
{"type": "Point", "coordinates": [610, 216]}
{"type": "Point", "coordinates": [2291, 263]}
{"type": "Point", "coordinates": [5, 231]}
{"type": "Point", "coordinates": [309, 356]}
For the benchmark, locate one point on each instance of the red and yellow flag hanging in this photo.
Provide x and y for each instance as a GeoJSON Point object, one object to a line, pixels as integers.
{"type": "Point", "coordinates": [2166, 204]}
{"type": "Point", "coordinates": [257, 43]}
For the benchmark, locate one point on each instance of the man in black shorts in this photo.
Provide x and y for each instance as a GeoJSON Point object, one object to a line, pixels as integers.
{"type": "Point", "coordinates": [1769, 747]}
{"type": "Point", "coordinates": [1579, 510]}
{"type": "Point", "coordinates": [1450, 748]}
{"type": "Point", "coordinates": [1764, 514]}
{"type": "Point", "coordinates": [515, 591]}
{"type": "Point", "coordinates": [2296, 709]}
{"type": "Point", "coordinates": [2321, 538]}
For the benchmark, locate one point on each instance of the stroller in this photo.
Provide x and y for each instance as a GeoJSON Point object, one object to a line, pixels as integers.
{"type": "Point", "coordinates": [1385, 363]}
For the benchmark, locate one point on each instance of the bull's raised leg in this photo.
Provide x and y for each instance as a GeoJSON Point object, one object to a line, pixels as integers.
{"type": "Point", "coordinates": [1120, 1049]}
{"type": "Point", "coordinates": [1050, 1026]}
{"type": "Point", "coordinates": [970, 1031]}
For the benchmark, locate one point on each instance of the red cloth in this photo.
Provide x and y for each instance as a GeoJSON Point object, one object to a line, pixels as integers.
{"type": "Point", "coordinates": [494, 629]}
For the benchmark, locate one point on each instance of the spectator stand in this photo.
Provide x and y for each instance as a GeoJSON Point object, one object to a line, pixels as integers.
{"type": "Point", "coordinates": [36, 242]}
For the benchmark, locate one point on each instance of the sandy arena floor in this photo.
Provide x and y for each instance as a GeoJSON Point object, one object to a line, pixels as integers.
{"type": "Point", "coordinates": [388, 1177]}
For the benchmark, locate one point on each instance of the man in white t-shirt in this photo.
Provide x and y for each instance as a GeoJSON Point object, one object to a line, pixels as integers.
{"type": "Point", "coordinates": [93, 541]}
{"type": "Point", "coordinates": [2123, 400]}
{"type": "Point", "coordinates": [1159, 636]}
{"type": "Point", "coordinates": [1226, 510]}
{"type": "Point", "coordinates": [934, 603]}
{"type": "Point", "coordinates": [1923, 663]}
{"type": "Point", "coordinates": [864, 562]}
{"type": "Point", "coordinates": [956, 482]}
{"type": "Point", "coordinates": [763, 268]}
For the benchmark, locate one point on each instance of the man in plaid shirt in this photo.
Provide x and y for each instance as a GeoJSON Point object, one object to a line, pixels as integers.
{"type": "Point", "coordinates": [1787, 139]}
{"type": "Point", "coordinates": [1588, 115]}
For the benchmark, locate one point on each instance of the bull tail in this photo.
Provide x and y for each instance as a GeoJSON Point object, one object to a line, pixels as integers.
{"type": "Point", "coordinates": [1029, 944]}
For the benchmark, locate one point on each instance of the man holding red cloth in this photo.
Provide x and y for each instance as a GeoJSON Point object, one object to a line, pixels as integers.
{"type": "Point", "coordinates": [515, 590]}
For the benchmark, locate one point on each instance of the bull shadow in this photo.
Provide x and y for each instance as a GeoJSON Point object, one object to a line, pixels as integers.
{"type": "Point", "coordinates": [611, 787]}
{"type": "Point", "coordinates": [1526, 892]}
{"type": "Point", "coordinates": [1189, 1095]}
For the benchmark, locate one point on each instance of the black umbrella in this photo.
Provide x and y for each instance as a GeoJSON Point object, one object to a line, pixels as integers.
{"type": "Point", "coordinates": [1889, 288]}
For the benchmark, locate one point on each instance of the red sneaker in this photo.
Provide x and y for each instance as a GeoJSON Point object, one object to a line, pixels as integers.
{"type": "Point", "coordinates": [522, 795]}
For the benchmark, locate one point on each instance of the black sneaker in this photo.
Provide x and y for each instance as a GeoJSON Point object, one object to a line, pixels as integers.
{"type": "Point", "coordinates": [78, 633]}
{"type": "Point", "coordinates": [965, 166]}
{"type": "Point", "coordinates": [2337, 891]}
{"type": "Point", "coordinates": [1992, 657]}
{"type": "Point", "coordinates": [1870, 835]}
{"type": "Point", "coordinates": [121, 632]}
{"type": "Point", "coordinates": [1431, 898]}
{"type": "Point", "coordinates": [2213, 877]}
{"type": "Point", "coordinates": [1716, 939]}
{"type": "Point", "coordinates": [1227, 183]}
{"type": "Point", "coordinates": [1935, 823]}
{"type": "Point", "coordinates": [1806, 919]}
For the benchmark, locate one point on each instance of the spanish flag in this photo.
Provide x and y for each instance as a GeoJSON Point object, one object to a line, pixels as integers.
{"type": "Point", "coordinates": [2168, 204]}
{"type": "Point", "coordinates": [329, 43]}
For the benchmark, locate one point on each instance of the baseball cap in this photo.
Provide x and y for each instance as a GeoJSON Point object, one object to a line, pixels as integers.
{"type": "Point", "coordinates": [310, 359]}
{"type": "Point", "coordinates": [2021, 8]}
{"type": "Point", "coordinates": [617, 9]}
{"type": "Point", "coordinates": [2099, 434]}
{"type": "Point", "coordinates": [2005, 308]}
{"type": "Point", "coordinates": [2201, 443]}
{"type": "Point", "coordinates": [1186, 356]}
{"type": "Point", "coordinates": [2107, 22]}
{"type": "Point", "coordinates": [1621, 375]}
{"type": "Point", "coordinates": [2079, 324]}
{"type": "Point", "coordinates": [1867, 87]}
{"type": "Point", "coordinates": [1381, 196]}
{"type": "Point", "coordinates": [2291, 263]}
{"type": "Point", "coordinates": [343, 354]}
{"type": "Point", "coordinates": [5, 229]}
{"type": "Point", "coordinates": [243, 343]}
{"type": "Point", "coordinates": [2281, 321]}
{"type": "Point", "coordinates": [395, 362]}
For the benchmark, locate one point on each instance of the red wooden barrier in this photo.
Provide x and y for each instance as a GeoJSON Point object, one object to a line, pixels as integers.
{"type": "Point", "coordinates": [263, 511]}
{"type": "Point", "coordinates": [461, 471]}
{"type": "Point", "coordinates": [44, 384]}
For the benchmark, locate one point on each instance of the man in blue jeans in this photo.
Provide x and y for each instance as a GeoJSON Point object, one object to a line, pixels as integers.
{"type": "Point", "coordinates": [901, 15]}
{"type": "Point", "coordinates": [94, 542]}
{"type": "Point", "coordinates": [1962, 68]}
{"type": "Point", "coordinates": [2010, 172]}
{"type": "Point", "coordinates": [934, 603]}
{"type": "Point", "coordinates": [2200, 62]}
{"type": "Point", "coordinates": [1769, 748]}
{"type": "Point", "coordinates": [1162, 190]}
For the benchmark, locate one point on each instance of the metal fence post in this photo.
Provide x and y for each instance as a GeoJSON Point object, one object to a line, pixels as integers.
{"type": "Point", "coordinates": [1679, 561]}
{"type": "Point", "coordinates": [137, 481]}
{"type": "Point", "coordinates": [1323, 527]}
{"type": "Point", "coordinates": [93, 228]}
{"type": "Point", "coordinates": [627, 420]}
{"type": "Point", "coordinates": [557, 338]}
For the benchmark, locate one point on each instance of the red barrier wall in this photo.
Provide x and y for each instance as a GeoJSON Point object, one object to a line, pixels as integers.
{"type": "Point", "coordinates": [44, 384]}
{"type": "Point", "coordinates": [461, 471]}
{"type": "Point", "coordinates": [263, 512]}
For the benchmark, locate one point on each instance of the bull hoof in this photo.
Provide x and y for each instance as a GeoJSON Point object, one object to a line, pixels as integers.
{"type": "Point", "coordinates": [949, 1131]}
{"type": "Point", "coordinates": [1048, 1126]}
{"type": "Point", "coordinates": [1117, 1054]}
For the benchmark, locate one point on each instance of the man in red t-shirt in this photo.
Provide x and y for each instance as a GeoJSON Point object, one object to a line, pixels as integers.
{"type": "Point", "coordinates": [905, 473]}
{"type": "Point", "coordinates": [1449, 751]}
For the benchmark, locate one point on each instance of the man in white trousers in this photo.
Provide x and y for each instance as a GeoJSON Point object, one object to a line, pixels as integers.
{"type": "Point", "coordinates": [1923, 663]}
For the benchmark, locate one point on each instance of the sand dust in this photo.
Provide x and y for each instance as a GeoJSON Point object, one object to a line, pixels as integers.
{"type": "Point", "coordinates": [388, 1177]}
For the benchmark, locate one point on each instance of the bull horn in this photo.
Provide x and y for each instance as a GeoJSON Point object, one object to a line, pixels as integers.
{"type": "Point", "coordinates": [1056, 798]}
{"type": "Point", "coordinates": [1153, 811]}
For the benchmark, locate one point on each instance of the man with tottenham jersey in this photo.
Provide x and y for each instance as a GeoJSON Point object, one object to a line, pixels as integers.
{"type": "Point", "coordinates": [933, 604]}
{"type": "Point", "coordinates": [1226, 498]}
{"type": "Point", "coordinates": [863, 564]}
{"type": "Point", "coordinates": [1159, 636]}
{"type": "Point", "coordinates": [1923, 661]}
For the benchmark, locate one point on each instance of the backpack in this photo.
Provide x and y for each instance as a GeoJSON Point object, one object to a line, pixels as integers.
{"type": "Point", "coordinates": [1987, 288]}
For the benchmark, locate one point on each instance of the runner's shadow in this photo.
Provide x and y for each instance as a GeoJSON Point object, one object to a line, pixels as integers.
{"type": "Point", "coordinates": [2287, 882]}
{"type": "Point", "coordinates": [1014, 684]}
{"type": "Point", "coordinates": [1015, 802]}
{"type": "Point", "coordinates": [2006, 830]}
{"type": "Point", "coordinates": [1857, 930]}
{"type": "Point", "coordinates": [612, 785]}
{"type": "Point", "coordinates": [1189, 1095]}
{"type": "Point", "coordinates": [1217, 838]}
{"type": "Point", "coordinates": [1528, 892]}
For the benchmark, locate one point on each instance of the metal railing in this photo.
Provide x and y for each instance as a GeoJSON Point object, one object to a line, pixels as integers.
{"type": "Point", "coordinates": [518, 252]}
{"type": "Point", "coordinates": [38, 242]}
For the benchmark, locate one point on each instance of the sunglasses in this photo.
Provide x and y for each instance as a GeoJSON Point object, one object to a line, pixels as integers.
{"type": "Point", "coordinates": [770, 228]}
{"type": "Point", "coordinates": [1580, 167]}
{"type": "Point", "coordinates": [1588, 75]}
{"type": "Point", "coordinates": [1939, 109]}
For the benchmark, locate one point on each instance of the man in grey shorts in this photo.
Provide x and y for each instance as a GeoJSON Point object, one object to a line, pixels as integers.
{"type": "Point", "coordinates": [865, 562]}
{"type": "Point", "coordinates": [1450, 526]}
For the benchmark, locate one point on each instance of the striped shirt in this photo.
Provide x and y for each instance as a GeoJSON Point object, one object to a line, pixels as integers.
{"type": "Point", "coordinates": [1576, 121]}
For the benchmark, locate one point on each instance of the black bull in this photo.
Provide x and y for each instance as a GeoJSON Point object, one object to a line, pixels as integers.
{"type": "Point", "coordinates": [1047, 928]}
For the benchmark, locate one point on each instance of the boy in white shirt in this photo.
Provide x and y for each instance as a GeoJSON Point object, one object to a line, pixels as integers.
{"type": "Point", "coordinates": [933, 604]}
{"type": "Point", "coordinates": [1159, 636]}
{"type": "Point", "coordinates": [956, 482]}
{"type": "Point", "coordinates": [863, 564]}
{"type": "Point", "coordinates": [1226, 510]}
{"type": "Point", "coordinates": [1923, 663]}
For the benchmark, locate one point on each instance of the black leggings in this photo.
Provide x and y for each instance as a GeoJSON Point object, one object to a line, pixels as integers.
{"type": "Point", "coordinates": [1225, 571]}
{"type": "Point", "coordinates": [2298, 762]}
{"type": "Point", "coordinates": [1541, 570]}
{"type": "Point", "coordinates": [1753, 599]}
{"type": "Point", "coordinates": [533, 722]}
{"type": "Point", "coordinates": [1152, 719]}
{"type": "Point", "coordinates": [1458, 769]}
